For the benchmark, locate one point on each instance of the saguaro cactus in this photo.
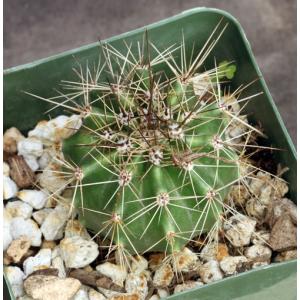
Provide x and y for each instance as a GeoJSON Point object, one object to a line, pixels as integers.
{"type": "Point", "coordinates": [151, 167]}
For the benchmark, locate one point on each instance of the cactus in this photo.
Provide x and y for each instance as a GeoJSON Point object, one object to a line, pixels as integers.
{"type": "Point", "coordinates": [151, 164]}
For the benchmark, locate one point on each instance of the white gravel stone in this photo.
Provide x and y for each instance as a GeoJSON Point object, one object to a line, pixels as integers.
{"type": "Point", "coordinates": [75, 228]}
{"type": "Point", "coordinates": [154, 297]}
{"type": "Point", "coordinates": [139, 265]}
{"type": "Point", "coordinates": [239, 229]}
{"type": "Point", "coordinates": [30, 147]}
{"type": "Point", "coordinates": [185, 261]}
{"type": "Point", "coordinates": [255, 208]}
{"type": "Point", "coordinates": [43, 287]}
{"type": "Point", "coordinates": [37, 199]}
{"type": "Point", "coordinates": [94, 295]}
{"type": "Point", "coordinates": [7, 236]}
{"type": "Point", "coordinates": [6, 169]}
{"type": "Point", "coordinates": [32, 162]}
{"type": "Point", "coordinates": [18, 248]}
{"type": "Point", "coordinates": [260, 264]}
{"type": "Point", "coordinates": [137, 283]}
{"type": "Point", "coordinates": [77, 252]}
{"type": "Point", "coordinates": [58, 263]}
{"type": "Point", "coordinates": [163, 276]}
{"type": "Point", "coordinates": [40, 215]}
{"type": "Point", "coordinates": [10, 139]}
{"type": "Point", "coordinates": [187, 286]}
{"type": "Point", "coordinates": [52, 181]}
{"type": "Point", "coordinates": [15, 276]}
{"type": "Point", "coordinates": [163, 293]}
{"type": "Point", "coordinates": [286, 255]}
{"type": "Point", "coordinates": [82, 294]}
{"type": "Point", "coordinates": [210, 271]}
{"type": "Point", "coordinates": [54, 223]}
{"type": "Point", "coordinates": [49, 155]}
{"type": "Point", "coordinates": [258, 253]}
{"type": "Point", "coordinates": [232, 264]}
{"type": "Point", "coordinates": [19, 209]}
{"type": "Point", "coordinates": [260, 237]}
{"type": "Point", "coordinates": [42, 260]}
{"type": "Point", "coordinates": [56, 129]}
{"type": "Point", "coordinates": [115, 272]}
{"type": "Point", "coordinates": [20, 227]}
{"type": "Point", "coordinates": [10, 188]}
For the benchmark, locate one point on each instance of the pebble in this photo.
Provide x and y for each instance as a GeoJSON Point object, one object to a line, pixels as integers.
{"type": "Point", "coordinates": [7, 236]}
{"type": "Point", "coordinates": [26, 227]}
{"type": "Point", "coordinates": [286, 255]}
{"type": "Point", "coordinates": [52, 181]}
{"type": "Point", "coordinates": [51, 287]}
{"type": "Point", "coordinates": [10, 188]}
{"type": "Point", "coordinates": [163, 293]}
{"type": "Point", "coordinates": [30, 147]}
{"type": "Point", "coordinates": [260, 237]}
{"type": "Point", "coordinates": [155, 260]}
{"type": "Point", "coordinates": [187, 286]}
{"type": "Point", "coordinates": [82, 294]}
{"type": "Point", "coordinates": [214, 251]}
{"type": "Point", "coordinates": [37, 199]}
{"type": "Point", "coordinates": [47, 157]}
{"type": "Point", "coordinates": [283, 234]}
{"type": "Point", "coordinates": [258, 253]}
{"type": "Point", "coordinates": [239, 195]}
{"type": "Point", "coordinates": [185, 261]}
{"type": "Point", "coordinates": [40, 215]}
{"type": "Point", "coordinates": [239, 229]}
{"type": "Point", "coordinates": [154, 297]}
{"type": "Point", "coordinates": [18, 248]}
{"type": "Point", "coordinates": [75, 228]}
{"type": "Point", "coordinates": [139, 264]}
{"type": "Point", "coordinates": [125, 297]}
{"type": "Point", "coordinates": [15, 277]}
{"type": "Point", "coordinates": [210, 271]}
{"type": "Point", "coordinates": [54, 223]}
{"type": "Point", "coordinates": [115, 272]}
{"type": "Point", "coordinates": [6, 169]}
{"type": "Point", "coordinates": [231, 265]}
{"type": "Point", "coordinates": [94, 295]}
{"type": "Point", "coordinates": [255, 208]}
{"type": "Point", "coordinates": [48, 245]}
{"type": "Point", "coordinates": [77, 252]}
{"type": "Point", "coordinates": [19, 209]}
{"type": "Point", "coordinates": [10, 139]}
{"type": "Point", "coordinates": [163, 276]}
{"type": "Point", "coordinates": [58, 263]}
{"type": "Point", "coordinates": [32, 162]}
{"type": "Point", "coordinates": [137, 284]}
{"type": "Point", "coordinates": [42, 260]}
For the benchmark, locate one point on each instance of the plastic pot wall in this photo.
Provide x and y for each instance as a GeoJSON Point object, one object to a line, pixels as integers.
{"type": "Point", "coordinates": [276, 281]}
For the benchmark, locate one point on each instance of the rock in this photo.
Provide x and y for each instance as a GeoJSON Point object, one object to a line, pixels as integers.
{"type": "Point", "coordinates": [260, 237]}
{"type": "Point", "coordinates": [7, 236]}
{"type": "Point", "coordinates": [31, 162]}
{"type": "Point", "coordinates": [10, 188]}
{"type": "Point", "coordinates": [258, 182]}
{"type": "Point", "coordinates": [187, 286]}
{"type": "Point", "coordinates": [258, 253]}
{"type": "Point", "coordinates": [163, 293]}
{"type": "Point", "coordinates": [47, 272]}
{"type": "Point", "coordinates": [115, 272]}
{"type": "Point", "coordinates": [6, 169]}
{"type": "Point", "coordinates": [256, 209]}
{"type": "Point", "coordinates": [231, 265]}
{"type": "Point", "coordinates": [280, 207]}
{"type": "Point", "coordinates": [139, 264]}
{"type": "Point", "coordinates": [51, 287]}
{"type": "Point", "coordinates": [47, 157]}
{"type": "Point", "coordinates": [54, 223]}
{"type": "Point", "coordinates": [15, 276]}
{"type": "Point", "coordinates": [154, 297]}
{"type": "Point", "coordinates": [21, 172]}
{"type": "Point", "coordinates": [137, 284]}
{"type": "Point", "coordinates": [125, 297]}
{"type": "Point", "coordinates": [58, 264]}
{"type": "Point", "coordinates": [283, 234]}
{"type": "Point", "coordinates": [239, 195]}
{"type": "Point", "coordinates": [25, 297]}
{"type": "Point", "coordinates": [19, 209]}
{"type": "Point", "coordinates": [77, 252]}
{"type": "Point", "coordinates": [239, 229]}
{"type": "Point", "coordinates": [214, 251]}
{"type": "Point", "coordinates": [18, 248]}
{"type": "Point", "coordinates": [48, 245]}
{"type": "Point", "coordinates": [163, 276]}
{"type": "Point", "coordinates": [185, 261]}
{"type": "Point", "coordinates": [94, 295]}
{"type": "Point", "coordinates": [74, 228]}
{"type": "Point", "coordinates": [40, 215]}
{"type": "Point", "coordinates": [280, 187]}
{"type": "Point", "coordinates": [7, 260]}
{"type": "Point", "coordinates": [51, 180]}
{"type": "Point", "coordinates": [30, 147]}
{"type": "Point", "coordinates": [21, 227]}
{"type": "Point", "coordinates": [37, 199]}
{"type": "Point", "coordinates": [155, 260]}
{"type": "Point", "coordinates": [82, 294]}
{"type": "Point", "coordinates": [286, 255]}
{"type": "Point", "coordinates": [210, 271]}
{"type": "Point", "coordinates": [42, 260]}
{"type": "Point", "coordinates": [260, 264]}
{"type": "Point", "coordinates": [10, 139]}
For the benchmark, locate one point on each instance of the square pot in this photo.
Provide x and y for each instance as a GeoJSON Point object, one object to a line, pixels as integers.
{"type": "Point", "coordinates": [275, 281]}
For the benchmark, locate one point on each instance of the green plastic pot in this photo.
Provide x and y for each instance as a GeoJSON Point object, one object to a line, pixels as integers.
{"type": "Point", "coordinates": [275, 281]}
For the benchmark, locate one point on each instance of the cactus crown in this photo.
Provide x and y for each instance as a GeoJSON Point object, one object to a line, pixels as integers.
{"type": "Point", "coordinates": [153, 159]}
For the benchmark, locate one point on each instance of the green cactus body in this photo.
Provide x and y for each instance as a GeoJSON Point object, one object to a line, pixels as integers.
{"type": "Point", "coordinates": [153, 174]}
